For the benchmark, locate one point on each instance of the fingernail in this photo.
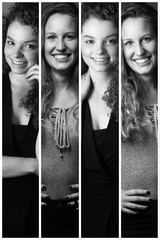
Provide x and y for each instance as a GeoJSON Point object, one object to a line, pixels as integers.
{"type": "Point", "coordinates": [148, 192]}
{"type": "Point", "coordinates": [66, 197]}
{"type": "Point", "coordinates": [150, 200]}
{"type": "Point", "coordinates": [69, 204]}
{"type": "Point", "coordinates": [44, 187]}
{"type": "Point", "coordinates": [70, 187]}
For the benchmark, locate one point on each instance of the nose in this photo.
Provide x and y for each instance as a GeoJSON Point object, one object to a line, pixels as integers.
{"type": "Point", "coordinates": [60, 45]}
{"type": "Point", "coordinates": [100, 48]}
{"type": "Point", "coordinates": [139, 49]}
{"type": "Point", "coordinates": [18, 52]}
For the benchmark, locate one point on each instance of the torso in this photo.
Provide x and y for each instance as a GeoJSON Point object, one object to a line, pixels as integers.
{"type": "Point", "coordinates": [58, 172]}
{"type": "Point", "coordinates": [140, 164]}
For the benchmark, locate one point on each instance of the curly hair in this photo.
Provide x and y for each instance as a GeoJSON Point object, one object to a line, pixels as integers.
{"type": "Point", "coordinates": [136, 124]}
{"type": "Point", "coordinates": [110, 12]}
{"type": "Point", "coordinates": [26, 14]}
{"type": "Point", "coordinates": [48, 9]}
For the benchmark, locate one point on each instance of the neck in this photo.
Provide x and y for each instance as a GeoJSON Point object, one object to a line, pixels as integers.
{"type": "Point", "coordinates": [149, 83]}
{"type": "Point", "coordinates": [149, 80]}
{"type": "Point", "coordinates": [19, 80]}
{"type": "Point", "coordinates": [100, 81]}
{"type": "Point", "coordinates": [62, 81]}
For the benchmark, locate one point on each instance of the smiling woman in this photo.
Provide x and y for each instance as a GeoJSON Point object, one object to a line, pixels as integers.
{"type": "Point", "coordinates": [139, 120]}
{"type": "Point", "coordinates": [60, 120]}
{"type": "Point", "coordinates": [99, 120]}
{"type": "Point", "coordinates": [20, 117]}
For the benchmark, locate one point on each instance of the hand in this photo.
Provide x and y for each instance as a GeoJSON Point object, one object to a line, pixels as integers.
{"type": "Point", "coordinates": [43, 195]}
{"type": "Point", "coordinates": [33, 73]}
{"type": "Point", "coordinates": [131, 201]}
{"type": "Point", "coordinates": [74, 197]}
{"type": "Point", "coordinates": [85, 85]}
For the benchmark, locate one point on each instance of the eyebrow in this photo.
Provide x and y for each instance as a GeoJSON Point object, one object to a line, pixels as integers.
{"type": "Point", "coordinates": [32, 40]}
{"type": "Point", "coordinates": [112, 35]}
{"type": "Point", "coordinates": [145, 35]}
{"type": "Point", "coordinates": [56, 34]}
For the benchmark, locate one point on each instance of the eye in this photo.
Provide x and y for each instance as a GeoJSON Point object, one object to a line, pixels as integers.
{"type": "Point", "coordinates": [89, 41]}
{"type": "Point", "coordinates": [9, 42]}
{"type": "Point", "coordinates": [30, 46]}
{"type": "Point", "coordinates": [111, 41]}
{"type": "Point", "coordinates": [146, 39]}
{"type": "Point", "coordinates": [51, 37]}
{"type": "Point", "coordinates": [69, 37]}
{"type": "Point", "coordinates": [128, 43]}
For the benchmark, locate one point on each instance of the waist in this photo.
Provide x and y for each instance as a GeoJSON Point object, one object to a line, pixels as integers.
{"type": "Point", "coordinates": [105, 189]}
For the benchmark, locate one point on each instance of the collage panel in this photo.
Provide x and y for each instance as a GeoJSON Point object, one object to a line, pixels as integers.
{"type": "Point", "coordinates": [99, 92]}
{"type": "Point", "coordinates": [139, 146]}
{"type": "Point", "coordinates": [60, 112]}
{"type": "Point", "coordinates": [20, 197]}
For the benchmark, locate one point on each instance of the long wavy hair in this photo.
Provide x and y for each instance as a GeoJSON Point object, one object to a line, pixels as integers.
{"type": "Point", "coordinates": [26, 14]}
{"type": "Point", "coordinates": [48, 87]}
{"type": "Point", "coordinates": [110, 12]}
{"type": "Point", "coordinates": [136, 123]}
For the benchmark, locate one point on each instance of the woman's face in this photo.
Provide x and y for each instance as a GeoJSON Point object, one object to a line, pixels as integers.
{"type": "Point", "coordinates": [61, 42]}
{"type": "Point", "coordinates": [139, 45]}
{"type": "Point", "coordinates": [99, 44]}
{"type": "Point", "coordinates": [21, 48]}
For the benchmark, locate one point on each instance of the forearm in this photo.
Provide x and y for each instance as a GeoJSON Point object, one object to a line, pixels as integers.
{"type": "Point", "coordinates": [18, 166]}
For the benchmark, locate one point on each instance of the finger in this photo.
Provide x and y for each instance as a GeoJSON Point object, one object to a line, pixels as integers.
{"type": "Point", "coordinates": [34, 67]}
{"type": "Point", "coordinates": [44, 196]}
{"type": "Point", "coordinates": [43, 204]}
{"type": "Point", "coordinates": [74, 186]}
{"type": "Point", "coordinates": [136, 207]}
{"type": "Point", "coordinates": [71, 196]}
{"type": "Point", "coordinates": [128, 211]}
{"type": "Point", "coordinates": [33, 77]}
{"type": "Point", "coordinates": [43, 187]}
{"type": "Point", "coordinates": [137, 192]}
{"type": "Point", "coordinates": [75, 203]}
{"type": "Point", "coordinates": [137, 199]}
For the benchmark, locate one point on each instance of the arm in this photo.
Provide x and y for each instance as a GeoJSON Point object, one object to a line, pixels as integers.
{"type": "Point", "coordinates": [19, 166]}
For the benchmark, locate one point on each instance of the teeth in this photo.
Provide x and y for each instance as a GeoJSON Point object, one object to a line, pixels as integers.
{"type": "Point", "coordinates": [18, 63]}
{"type": "Point", "coordinates": [61, 56]}
{"type": "Point", "coordinates": [99, 59]}
{"type": "Point", "coordinates": [143, 60]}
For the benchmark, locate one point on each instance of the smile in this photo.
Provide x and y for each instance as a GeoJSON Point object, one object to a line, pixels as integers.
{"type": "Point", "coordinates": [100, 60]}
{"type": "Point", "coordinates": [19, 63]}
{"type": "Point", "coordinates": [61, 57]}
{"type": "Point", "coordinates": [142, 61]}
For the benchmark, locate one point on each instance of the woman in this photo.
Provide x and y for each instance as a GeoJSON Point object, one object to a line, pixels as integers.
{"type": "Point", "coordinates": [139, 121]}
{"type": "Point", "coordinates": [20, 114]}
{"type": "Point", "coordinates": [99, 120]}
{"type": "Point", "coordinates": [60, 120]}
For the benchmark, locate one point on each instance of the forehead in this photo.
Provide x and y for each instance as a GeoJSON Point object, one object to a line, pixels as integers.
{"type": "Point", "coordinates": [136, 27]}
{"type": "Point", "coordinates": [96, 27]}
{"type": "Point", "coordinates": [60, 23]}
{"type": "Point", "coordinates": [18, 31]}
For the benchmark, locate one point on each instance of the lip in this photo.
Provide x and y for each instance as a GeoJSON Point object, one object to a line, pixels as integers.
{"type": "Point", "coordinates": [61, 57]}
{"type": "Point", "coordinates": [100, 60]}
{"type": "Point", "coordinates": [142, 61]}
{"type": "Point", "coordinates": [19, 63]}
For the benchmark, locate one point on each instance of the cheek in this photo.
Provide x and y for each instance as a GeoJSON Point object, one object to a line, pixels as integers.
{"type": "Point", "coordinates": [85, 51]}
{"type": "Point", "coordinates": [127, 54]}
{"type": "Point", "coordinates": [32, 57]}
{"type": "Point", "coordinates": [114, 52]}
{"type": "Point", "coordinates": [7, 51]}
